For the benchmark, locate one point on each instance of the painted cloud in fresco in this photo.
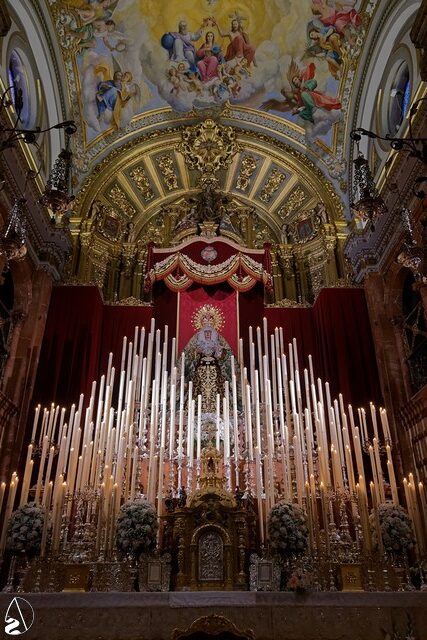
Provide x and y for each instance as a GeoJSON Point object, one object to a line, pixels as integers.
{"type": "Point", "coordinates": [281, 56]}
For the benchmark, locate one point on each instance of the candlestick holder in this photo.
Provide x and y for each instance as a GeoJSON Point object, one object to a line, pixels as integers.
{"type": "Point", "coordinates": [9, 586]}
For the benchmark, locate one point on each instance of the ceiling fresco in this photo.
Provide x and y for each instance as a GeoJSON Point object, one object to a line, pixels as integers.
{"type": "Point", "coordinates": [287, 60]}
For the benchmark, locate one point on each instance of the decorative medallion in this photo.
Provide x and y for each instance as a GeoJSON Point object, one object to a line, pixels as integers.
{"type": "Point", "coordinates": [208, 147]}
{"type": "Point", "coordinates": [209, 254]}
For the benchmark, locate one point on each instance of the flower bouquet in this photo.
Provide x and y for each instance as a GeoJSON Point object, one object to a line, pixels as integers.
{"type": "Point", "coordinates": [136, 530]}
{"type": "Point", "coordinates": [396, 530]}
{"type": "Point", "coordinates": [300, 581]}
{"type": "Point", "coordinates": [26, 529]}
{"type": "Point", "coordinates": [287, 530]}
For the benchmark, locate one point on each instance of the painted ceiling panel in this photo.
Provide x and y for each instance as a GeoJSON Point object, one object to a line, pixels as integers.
{"type": "Point", "coordinates": [132, 62]}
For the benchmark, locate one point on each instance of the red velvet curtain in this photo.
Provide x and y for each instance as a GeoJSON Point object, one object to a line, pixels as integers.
{"type": "Point", "coordinates": [251, 312]}
{"type": "Point", "coordinates": [346, 346]}
{"type": "Point", "coordinates": [165, 307]}
{"type": "Point", "coordinates": [337, 333]}
{"type": "Point", "coordinates": [69, 354]}
{"type": "Point", "coordinates": [80, 333]}
{"type": "Point", "coordinates": [118, 322]}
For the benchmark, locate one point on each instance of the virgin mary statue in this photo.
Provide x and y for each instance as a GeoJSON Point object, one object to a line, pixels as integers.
{"type": "Point", "coordinates": [208, 357]}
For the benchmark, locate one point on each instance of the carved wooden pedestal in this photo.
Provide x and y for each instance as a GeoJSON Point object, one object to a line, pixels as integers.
{"type": "Point", "coordinates": [210, 537]}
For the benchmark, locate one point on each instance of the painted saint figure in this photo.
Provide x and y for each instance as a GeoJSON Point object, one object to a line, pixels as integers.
{"type": "Point", "coordinates": [303, 99]}
{"type": "Point", "coordinates": [209, 56]}
{"type": "Point", "coordinates": [180, 44]}
{"type": "Point", "coordinates": [107, 92]}
{"type": "Point", "coordinates": [239, 46]}
{"type": "Point", "coordinates": [325, 42]}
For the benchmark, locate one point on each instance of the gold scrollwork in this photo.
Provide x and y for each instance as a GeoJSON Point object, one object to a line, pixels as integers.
{"type": "Point", "coordinates": [119, 198]}
{"type": "Point", "coordinates": [274, 181]}
{"type": "Point", "coordinates": [167, 169]}
{"type": "Point", "coordinates": [208, 147]}
{"type": "Point", "coordinates": [295, 200]}
{"type": "Point", "coordinates": [142, 183]}
{"type": "Point", "coordinates": [288, 304]}
{"type": "Point", "coordinates": [247, 169]}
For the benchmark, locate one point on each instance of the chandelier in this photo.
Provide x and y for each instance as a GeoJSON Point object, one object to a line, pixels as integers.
{"type": "Point", "coordinates": [411, 255]}
{"type": "Point", "coordinates": [58, 193]}
{"type": "Point", "coordinates": [12, 241]}
{"type": "Point", "coordinates": [366, 203]}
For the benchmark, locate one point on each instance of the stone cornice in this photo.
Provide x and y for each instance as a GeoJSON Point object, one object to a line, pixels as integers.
{"type": "Point", "coordinates": [369, 250]}
{"type": "Point", "coordinates": [48, 246]}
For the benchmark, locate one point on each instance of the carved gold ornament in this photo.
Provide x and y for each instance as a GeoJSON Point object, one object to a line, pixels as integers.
{"type": "Point", "coordinates": [208, 147]}
{"type": "Point", "coordinates": [142, 183]}
{"type": "Point", "coordinates": [208, 315]}
{"type": "Point", "coordinates": [293, 202]}
{"type": "Point", "coordinates": [119, 198]}
{"type": "Point", "coordinates": [213, 625]}
{"type": "Point", "coordinates": [274, 181]}
{"type": "Point", "coordinates": [167, 169]}
{"type": "Point", "coordinates": [247, 169]}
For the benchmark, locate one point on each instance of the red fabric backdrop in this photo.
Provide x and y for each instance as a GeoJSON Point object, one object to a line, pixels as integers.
{"type": "Point", "coordinates": [165, 306]}
{"type": "Point", "coordinates": [81, 331]}
{"type": "Point", "coordinates": [337, 333]}
{"type": "Point", "coordinates": [70, 350]}
{"type": "Point", "coordinates": [118, 322]}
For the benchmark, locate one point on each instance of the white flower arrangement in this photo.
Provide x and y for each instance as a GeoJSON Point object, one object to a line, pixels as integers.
{"type": "Point", "coordinates": [26, 529]}
{"type": "Point", "coordinates": [396, 529]}
{"type": "Point", "coordinates": [287, 529]}
{"type": "Point", "coordinates": [136, 530]}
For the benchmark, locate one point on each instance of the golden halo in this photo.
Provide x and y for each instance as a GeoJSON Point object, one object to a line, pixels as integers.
{"type": "Point", "coordinates": [208, 315]}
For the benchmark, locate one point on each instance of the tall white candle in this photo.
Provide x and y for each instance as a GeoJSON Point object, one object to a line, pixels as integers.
{"type": "Point", "coordinates": [172, 422]}
{"type": "Point", "coordinates": [199, 425]}
{"type": "Point", "coordinates": [35, 423]}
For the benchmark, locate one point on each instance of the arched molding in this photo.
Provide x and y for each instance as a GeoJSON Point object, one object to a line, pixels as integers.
{"type": "Point", "coordinates": [223, 533]}
{"type": "Point", "coordinates": [30, 30]}
{"type": "Point", "coordinates": [297, 168]}
{"type": "Point", "coordinates": [387, 40]}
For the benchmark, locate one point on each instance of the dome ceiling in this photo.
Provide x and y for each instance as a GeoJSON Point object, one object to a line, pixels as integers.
{"type": "Point", "coordinates": [138, 180]}
{"type": "Point", "coordinates": [280, 67]}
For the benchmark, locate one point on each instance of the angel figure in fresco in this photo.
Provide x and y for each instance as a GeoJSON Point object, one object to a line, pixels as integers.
{"type": "Point", "coordinates": [183, 80]}
{"type": "Point", "coordinates": [342, 15]}
{"type": "Point", "coordinates": [239, 46]}
{"type": "Point", "coordinates": [325, 42]}
{"type": "Point", "coordinates": [127, 102]}
{"type": "Point", "coordinates": [90, 10]}
{"type": "Point", "coordinates": [303, 99]}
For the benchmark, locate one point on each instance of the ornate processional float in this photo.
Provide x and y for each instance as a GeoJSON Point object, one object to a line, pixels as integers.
{"type": "Point", "coordinates": [246, 465]}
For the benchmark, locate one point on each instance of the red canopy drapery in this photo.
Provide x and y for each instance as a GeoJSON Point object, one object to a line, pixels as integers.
{"type": "Point", "coordinates": [209, 261]}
